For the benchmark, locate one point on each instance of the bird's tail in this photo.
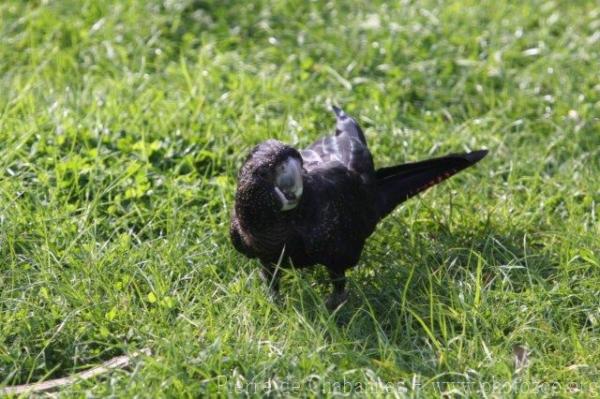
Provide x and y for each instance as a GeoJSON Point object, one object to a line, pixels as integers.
{"type": "Point", "coordinates": [396, 184]}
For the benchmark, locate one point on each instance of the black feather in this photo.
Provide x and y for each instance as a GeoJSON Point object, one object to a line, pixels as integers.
{"type": "Point", "coordinates": [396, 184]}
{"type": "Point", "coordinates": [343, 199]}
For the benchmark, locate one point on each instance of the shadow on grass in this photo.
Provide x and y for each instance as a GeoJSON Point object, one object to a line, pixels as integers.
{"type": "Point", "coordinates": [411, 302]}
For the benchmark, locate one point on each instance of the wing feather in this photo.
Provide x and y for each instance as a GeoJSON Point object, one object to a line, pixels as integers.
{"type": "Point", "coordinates": [347, 147]}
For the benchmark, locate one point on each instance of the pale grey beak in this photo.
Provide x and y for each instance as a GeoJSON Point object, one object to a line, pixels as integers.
{"type": "Point", "coordinates": [288, 183]}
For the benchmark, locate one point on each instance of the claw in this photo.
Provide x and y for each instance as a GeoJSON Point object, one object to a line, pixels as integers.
{"type": "Point", "coordinates": [275, 297]}
{"type": "Point", "coordinates": [336, 300]}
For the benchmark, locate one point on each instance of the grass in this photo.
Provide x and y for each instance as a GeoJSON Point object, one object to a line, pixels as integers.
{"type": "Point", "coordinates": [123, 123]}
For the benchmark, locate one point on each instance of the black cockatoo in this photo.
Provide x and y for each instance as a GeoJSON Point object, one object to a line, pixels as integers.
{"type": "Point", "coordinates": [319, 205]}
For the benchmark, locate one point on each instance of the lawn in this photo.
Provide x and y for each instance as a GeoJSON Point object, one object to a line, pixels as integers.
{"type": "Point", "coordinates": [123, 124]}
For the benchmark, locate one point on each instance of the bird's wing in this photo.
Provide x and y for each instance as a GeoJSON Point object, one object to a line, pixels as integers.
{"type": "Point", "coordinates": [346, 125]}
{"type": "Point", "coordinates": [338, 215]}
{"type": "Point", "coordinates": [347, 147]}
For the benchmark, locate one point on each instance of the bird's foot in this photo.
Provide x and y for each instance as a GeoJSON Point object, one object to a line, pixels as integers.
{"type": "Point", "coordinates": [275, 297]}
{"type": "Point", "coordinates": [336, 300]}
{"type": "Point", "coordinates": [273, 294]}
{"type": "Point", "coordinates": [271, 283]}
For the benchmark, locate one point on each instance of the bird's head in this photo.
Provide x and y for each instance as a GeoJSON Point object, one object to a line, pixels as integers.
{"type": "Point", "coordinates": [271, 178]}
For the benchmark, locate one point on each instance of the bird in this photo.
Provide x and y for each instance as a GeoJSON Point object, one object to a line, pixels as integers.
{"type": "Point", "coordinates": [318, 205]}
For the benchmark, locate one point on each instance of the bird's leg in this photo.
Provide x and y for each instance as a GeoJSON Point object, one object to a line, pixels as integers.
{"type": "Point", "coordinates": [271, 276]}
{"type": "Point", "coordinates": [339, 295]}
